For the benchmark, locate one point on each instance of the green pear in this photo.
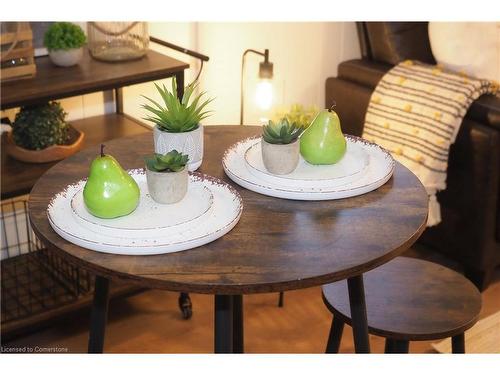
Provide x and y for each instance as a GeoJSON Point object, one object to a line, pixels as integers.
{"type": "Point", "coordinates": [323, 142]}
{"type": "Point", "coordinates": [110, 191]}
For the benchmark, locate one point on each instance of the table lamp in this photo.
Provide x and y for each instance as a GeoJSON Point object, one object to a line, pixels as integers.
{"type": "Point", "coordinates": [264, 92]}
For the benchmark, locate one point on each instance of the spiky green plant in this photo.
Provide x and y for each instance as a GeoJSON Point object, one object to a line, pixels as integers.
{"type": "Point", "coordinates": [281, 132]}
{"type": "Point", "coordinates": [171, 162]}
{"type": "Point", "coordinates": [177, 116]}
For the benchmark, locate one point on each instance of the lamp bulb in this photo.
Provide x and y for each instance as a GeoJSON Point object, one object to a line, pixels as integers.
{"type": "Point", "coordinates": [264, 95]}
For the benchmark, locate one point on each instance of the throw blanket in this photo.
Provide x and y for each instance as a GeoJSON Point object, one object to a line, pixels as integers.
{"type": "Point", "coordinates": [415, 112]}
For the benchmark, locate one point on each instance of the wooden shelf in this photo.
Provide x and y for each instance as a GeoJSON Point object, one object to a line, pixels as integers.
{"type": "Point", "coordinates": [90, 75]}
{"type": "Point", "coordinates": [18, 178]}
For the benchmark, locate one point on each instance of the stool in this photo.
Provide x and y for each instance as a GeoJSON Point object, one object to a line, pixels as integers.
{"type": "Point", "coordinates": [407, 300]}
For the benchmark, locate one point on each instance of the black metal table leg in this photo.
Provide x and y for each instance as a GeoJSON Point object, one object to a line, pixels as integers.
{"type": "Point", "coordinates": [388, 346]}
{"type": "Point", "coordinates": [358, 314]}
{"type": "Point", "coordinates": [458, 344]}
{"type": "Point", "coordinates": [397, 346]}
{"type": "Point", "coordinates": [238, 332]}
{"type": "Point", "coordinates": [98, 315]}
{"type": "Point", "coordinates": [281, 299]}
{"type": "Point", "coordinates": [185, 305]}
{"type": "Point", "coordinates": [335, 336]}
{"type": "Point", "coordinates": [223, 335]}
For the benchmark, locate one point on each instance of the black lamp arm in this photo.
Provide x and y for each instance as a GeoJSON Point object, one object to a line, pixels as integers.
{"type": "Point", "coordinates": [180, 49]}
{"type": "Point", "coordinates": [186, 51]}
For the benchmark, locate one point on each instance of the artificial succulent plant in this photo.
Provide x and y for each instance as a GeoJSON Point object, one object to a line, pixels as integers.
{"type": "Point", "coordinates": [171, 162]}
{"type": "Point", "coordinates": [174, 115]}
{"type": "Point", "coordinates": [281, 132]}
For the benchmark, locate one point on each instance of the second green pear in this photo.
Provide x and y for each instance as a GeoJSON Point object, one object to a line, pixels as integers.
{"type": "Point", "coordinates": [323, 142]}
{"type": "Point", "coordinates": [110, 191]}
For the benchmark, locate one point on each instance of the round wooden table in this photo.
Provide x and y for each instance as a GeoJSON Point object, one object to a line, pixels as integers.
{"type": "Point", "coordinates": [277, 245]}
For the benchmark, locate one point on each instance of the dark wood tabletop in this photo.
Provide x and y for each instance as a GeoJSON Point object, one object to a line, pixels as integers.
{"type": "Point", "coordinates": [52, 82]}
{"type": "Point", "coordinates": [277, 245]}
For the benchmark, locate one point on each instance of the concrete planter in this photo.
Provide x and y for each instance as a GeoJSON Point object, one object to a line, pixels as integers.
{"type": "Point", "coordinates": [280, 159]}
{"type": "Point", "coordinates": [167, 187]}
{"type": "Point", "coordinates": [190, 143]}
{"type": "Point", "coordinates": [66, 58]}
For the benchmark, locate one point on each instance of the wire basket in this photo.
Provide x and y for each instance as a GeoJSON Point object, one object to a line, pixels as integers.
{"type": "Point", "coordinates": [33, 279]}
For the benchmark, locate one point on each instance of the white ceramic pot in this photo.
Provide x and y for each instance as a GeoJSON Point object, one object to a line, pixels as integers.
{"type": "Point", "coordinates": [189, 143]}
{"type": "Point", "coordinates": [280, 159]}
{"type": "Point", "coordinates": [66, 58]}
{"type": "Point", "coordinates": [167, 187]}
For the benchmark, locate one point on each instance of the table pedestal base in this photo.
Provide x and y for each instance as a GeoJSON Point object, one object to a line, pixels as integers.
{"type": "Point", "coordinates": [228, 331]}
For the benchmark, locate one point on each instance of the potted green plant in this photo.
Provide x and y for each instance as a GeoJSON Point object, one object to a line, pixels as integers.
{"type": "Point", "coordinates": [40, 134]}
{"type": "Point", "coordinates": [64, 41]}
{"type": "Point", "coordinates": [167, 176]}
{"type": "Point", "coordinates": [178, 122]}
{"type": "Point", "coordinates": [280, 146]}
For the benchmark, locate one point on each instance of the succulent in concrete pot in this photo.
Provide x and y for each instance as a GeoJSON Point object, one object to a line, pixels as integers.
{"type": "Point", "coordinates": [280, 148]}
{"type": "Point", "coordinates": [167, 176]}
{"type": "Point", "coordinates": [178, 122]}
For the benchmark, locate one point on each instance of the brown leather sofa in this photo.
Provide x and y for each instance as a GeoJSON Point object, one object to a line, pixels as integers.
{"type": "Point", "coordinates": [470, 206]}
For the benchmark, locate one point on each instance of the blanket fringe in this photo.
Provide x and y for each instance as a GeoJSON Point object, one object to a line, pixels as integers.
{"type": "Point", "coordinates": [434, 217]}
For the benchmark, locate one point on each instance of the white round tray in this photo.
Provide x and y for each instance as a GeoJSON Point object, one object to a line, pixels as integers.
{"type": "Point", "coordinates": [377, 172]}
{"type": "Point", "coordinates": [223, 215]}
{"type": "Point", "coordinates": [149, 218]}
{"type": "Point", "coordinates": [350, 168]}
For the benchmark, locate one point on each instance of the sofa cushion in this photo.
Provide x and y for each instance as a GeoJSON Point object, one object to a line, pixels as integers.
{"type": "Point", "coordinates": [485, 110]}
{"type": "Point", "coordinates": [393, 42]}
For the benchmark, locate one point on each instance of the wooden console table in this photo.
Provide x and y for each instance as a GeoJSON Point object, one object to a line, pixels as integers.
{"type": "Point", "coordinates": [52, 82]}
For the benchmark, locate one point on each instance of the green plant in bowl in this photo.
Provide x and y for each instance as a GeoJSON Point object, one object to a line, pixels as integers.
{"type": "Point", "coordinates": [41, 126]}
{"type": "Point", "coordinates": [65, 41]}
{"type": "Point", "coordinates": [64, 36]}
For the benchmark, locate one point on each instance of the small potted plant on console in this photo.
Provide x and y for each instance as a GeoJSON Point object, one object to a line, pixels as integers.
{"type": "Point", "coordinates": [64, 41]}
{"type": "Point", "coordinates": [167, 176]}
{"type": "Point", "coordinates": [280, 148]}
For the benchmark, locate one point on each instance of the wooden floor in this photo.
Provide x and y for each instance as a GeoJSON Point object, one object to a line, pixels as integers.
{"type": "Point", "coordinates": [150, 322]}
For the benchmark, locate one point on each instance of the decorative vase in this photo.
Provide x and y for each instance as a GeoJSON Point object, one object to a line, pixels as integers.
{"type": "Point", "coordinates": [280, 159]}
{"type": "Point", "coordinates": [117, 41]}
{"type": "Point", "coordinates": [65, 58]}
{"type": "Point", "coordinates": [167, 187]}
{"type": "Point", "coordinates": [189, 143]}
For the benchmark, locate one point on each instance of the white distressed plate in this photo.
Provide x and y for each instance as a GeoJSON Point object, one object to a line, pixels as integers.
{"type": "Point", "coordinates": [378, 172]}
{"type": "Point", "coordinates": [350, 168]}
{"type": "Point", "coordinates": [149, 218]}
{"type": "Point", "coordinates": [221, 218]}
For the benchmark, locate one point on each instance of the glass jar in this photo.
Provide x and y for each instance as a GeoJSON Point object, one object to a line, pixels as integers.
{"type": "Point", "coordinates": [117, 41]}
